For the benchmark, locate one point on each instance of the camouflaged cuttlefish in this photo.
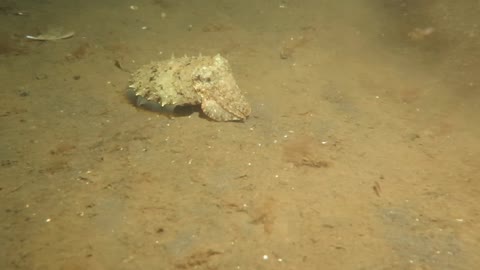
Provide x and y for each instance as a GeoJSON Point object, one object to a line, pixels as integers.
{"type": "Point", "coordinates": [202, 80]}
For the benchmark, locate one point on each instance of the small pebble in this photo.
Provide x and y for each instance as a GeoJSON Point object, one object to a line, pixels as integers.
{"type": "Point", "coordinates": [23, 93]}
{"type": "Point", "coordinates": [41, 76]}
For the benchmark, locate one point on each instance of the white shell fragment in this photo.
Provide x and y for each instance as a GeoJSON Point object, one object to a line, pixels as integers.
{"type": "Point", "coordinates": [51, 36]}
{"type": "Point", "coordinates": [203, 80]}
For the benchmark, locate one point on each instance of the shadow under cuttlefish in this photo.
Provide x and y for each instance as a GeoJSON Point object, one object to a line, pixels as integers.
{"type": "Point", "coordinates": [166, 110]}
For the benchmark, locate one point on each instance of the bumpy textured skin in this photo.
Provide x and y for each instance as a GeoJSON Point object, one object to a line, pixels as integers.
{"type": "Point", "coordinates": [167, 82]}
{"type": "Point", "coordinates": [191, 81]}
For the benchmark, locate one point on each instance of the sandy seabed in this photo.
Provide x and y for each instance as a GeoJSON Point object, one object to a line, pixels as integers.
{"type": "Point", "coordinates": [362, 150]}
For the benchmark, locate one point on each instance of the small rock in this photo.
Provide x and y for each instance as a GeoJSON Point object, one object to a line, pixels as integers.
{"type": "Point", "coordinates": [41, 76]}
